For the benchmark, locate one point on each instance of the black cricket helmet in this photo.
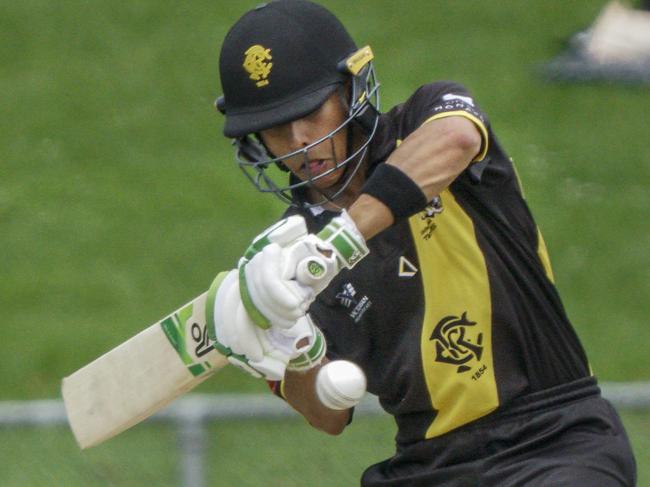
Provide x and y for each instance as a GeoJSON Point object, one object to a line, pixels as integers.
{"type": "Point", "coordinates": [280, 62]}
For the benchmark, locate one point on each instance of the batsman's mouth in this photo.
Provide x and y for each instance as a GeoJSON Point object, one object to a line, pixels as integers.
{"type": "Point", "coordinates": [315, 167]}
{"type": "Point", "coordinates": [321, 172]}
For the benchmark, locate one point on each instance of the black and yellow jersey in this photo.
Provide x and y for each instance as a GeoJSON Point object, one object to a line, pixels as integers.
{"type": "Point", "coordinates": [454, 313]}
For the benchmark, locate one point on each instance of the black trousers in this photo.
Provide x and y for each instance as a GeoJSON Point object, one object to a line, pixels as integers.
{"type": "Point", "coordinates": [564, 437]}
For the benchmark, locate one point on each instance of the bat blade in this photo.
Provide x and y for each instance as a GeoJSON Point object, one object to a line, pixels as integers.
{"type": "Point", "coordinates": [141, 376]}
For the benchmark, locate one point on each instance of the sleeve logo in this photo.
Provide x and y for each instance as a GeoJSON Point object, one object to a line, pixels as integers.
{"type": "Point", "coordinates": [451, 96]}
{"type": "Point", "coordinates": [434, 208]}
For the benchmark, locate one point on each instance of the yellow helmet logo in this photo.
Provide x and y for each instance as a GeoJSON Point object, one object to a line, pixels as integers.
{"type": "Point", "coordinates": [257, 64]}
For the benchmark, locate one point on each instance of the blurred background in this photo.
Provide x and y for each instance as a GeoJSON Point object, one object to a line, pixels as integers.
{"type": "Point", "coordinates": [120, 200]}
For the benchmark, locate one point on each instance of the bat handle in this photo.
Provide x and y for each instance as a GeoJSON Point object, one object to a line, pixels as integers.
{"type": "Point", "coordinates": [311, 270]}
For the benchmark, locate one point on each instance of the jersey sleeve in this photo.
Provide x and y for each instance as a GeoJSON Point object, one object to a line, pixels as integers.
{"type": "Point", "coordinates": [444, 99]}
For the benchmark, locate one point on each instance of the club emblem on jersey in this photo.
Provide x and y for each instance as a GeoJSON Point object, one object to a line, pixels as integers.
{"type": "Point", "coordinates": [257, 65]}
{"type": "Point", "coordinates": [455, 343]}
{"type": "Point", "coordinates": [434, 208]}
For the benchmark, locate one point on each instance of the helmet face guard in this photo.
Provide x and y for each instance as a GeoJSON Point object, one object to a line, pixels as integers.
{"type": "Point", "coordinates": [267, 171]}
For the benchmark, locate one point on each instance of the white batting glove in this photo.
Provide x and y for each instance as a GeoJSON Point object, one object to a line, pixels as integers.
{"type": "Point", "coordinates": [285, 268]}
{"type": "Point", "coordinates": [261, 353]}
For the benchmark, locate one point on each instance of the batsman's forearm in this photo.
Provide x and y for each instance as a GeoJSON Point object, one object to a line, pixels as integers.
{"type": "Point", "coordinates": [432, 157]}
{"type": "Point", "coordinates": [437, 152]}
{"type": "Point", "coordinates": [300, 392]}
{"type": "Point", "coordinates": [370, 216]}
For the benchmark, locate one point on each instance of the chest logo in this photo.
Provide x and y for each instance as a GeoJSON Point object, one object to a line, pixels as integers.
{"type": "Point", "coordinates": [346, 295]}
{"type": "Point", "coordinates": [257, 65]}
{"type": "Point", "coordinates": [455, 343]}
{"type": "Point", "coordinates": [406, 268]}
{"type": "Point", "coordinates": [347, 298]}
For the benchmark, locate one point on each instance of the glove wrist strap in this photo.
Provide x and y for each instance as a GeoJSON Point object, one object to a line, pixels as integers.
{"type": "Point", "coordinates": [311, 357]}
{"type": "Point", "coordinates": [346, 240]}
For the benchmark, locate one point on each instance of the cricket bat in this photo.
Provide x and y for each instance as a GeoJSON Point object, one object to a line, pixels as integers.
{"type": "Point", "coordinates": [147, 372]}
{"type": "Point", "coordinates": [141, 376]}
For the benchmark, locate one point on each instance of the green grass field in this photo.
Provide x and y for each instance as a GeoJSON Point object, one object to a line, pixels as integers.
{"type": "Point", "coordinates": [120, 200]}
{"type": "Point", "coordinates": [286, 453]}
{"type": "Point", "coordinates": [242, 453]}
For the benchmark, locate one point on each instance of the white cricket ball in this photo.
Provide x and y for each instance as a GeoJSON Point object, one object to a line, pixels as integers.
{"type": "Point", "coordinates": [340, 384]}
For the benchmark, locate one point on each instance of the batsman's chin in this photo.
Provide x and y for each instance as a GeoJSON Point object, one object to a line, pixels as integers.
{"type": "Point", "coordinates": [326, 180]}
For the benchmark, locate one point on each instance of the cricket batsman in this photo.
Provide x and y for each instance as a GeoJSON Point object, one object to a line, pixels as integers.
{"type": "Point", "coordinates": [429, 271]}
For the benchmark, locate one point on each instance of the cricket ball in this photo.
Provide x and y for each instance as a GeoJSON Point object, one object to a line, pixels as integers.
{"type": "Point", "coordinates": [340, 384]}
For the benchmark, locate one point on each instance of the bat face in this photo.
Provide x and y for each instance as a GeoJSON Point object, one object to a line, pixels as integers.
{"type": "Point", "coordinates": [141, 376]}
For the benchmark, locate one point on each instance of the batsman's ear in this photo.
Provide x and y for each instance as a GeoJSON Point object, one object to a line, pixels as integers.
{"type": "Point", "coordinates": [220, 104]}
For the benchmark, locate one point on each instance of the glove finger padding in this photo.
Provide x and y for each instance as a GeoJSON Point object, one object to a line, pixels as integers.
{"type": "Point", "coordinates": [269, 297]}
{"type": "Point", "coordinates": [233, 328]}
{"type": "Point", "coordinates": [239, 339]}
{"type": "Point", "coordinates": [282, 290]}
{"type": "Point", "coordinates": [301, 252]}
{"type": "Point", "coordinates": [280, 277]}
{"type": "Point", "coordinates": [261, 353]}
{"type": "Point", "coordinates": [282, 233]}
{"type": "Point", "coordinates": [244, 336]}
{"type": "Point", "coordinates": [313, 350]}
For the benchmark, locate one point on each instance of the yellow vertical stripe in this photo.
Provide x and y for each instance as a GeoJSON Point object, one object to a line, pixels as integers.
{"type": "Point", "coordinates": [455, 281]}
{"type": "Point", "coordinates": [519, 183]}
{"type": "Point", "coordinates": [542, 251]}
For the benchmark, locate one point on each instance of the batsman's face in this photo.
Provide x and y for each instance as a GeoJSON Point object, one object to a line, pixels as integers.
{"type": "Point", "coordinates": [314, 163]}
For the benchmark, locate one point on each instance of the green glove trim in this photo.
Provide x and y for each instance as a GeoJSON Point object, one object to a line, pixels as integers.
{"type": "Point", "coordinates": [209, 318]}
{"type": "Point", "coordinates": [312, 356]}
{"type": "Point", "coordinates": [350, 249]}
{"type": "Point", "coordinates": [209, 304]}
{"type": "Point", "coordinates": [265, 238]}
{"type": "Point", "coordinates": [255, 247]}
{"type": "Point", "coordinates": [258, 318]}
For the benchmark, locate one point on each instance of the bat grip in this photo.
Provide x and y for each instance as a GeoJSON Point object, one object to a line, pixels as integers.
{"type": "Point", "coordinates": [311, 270]}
